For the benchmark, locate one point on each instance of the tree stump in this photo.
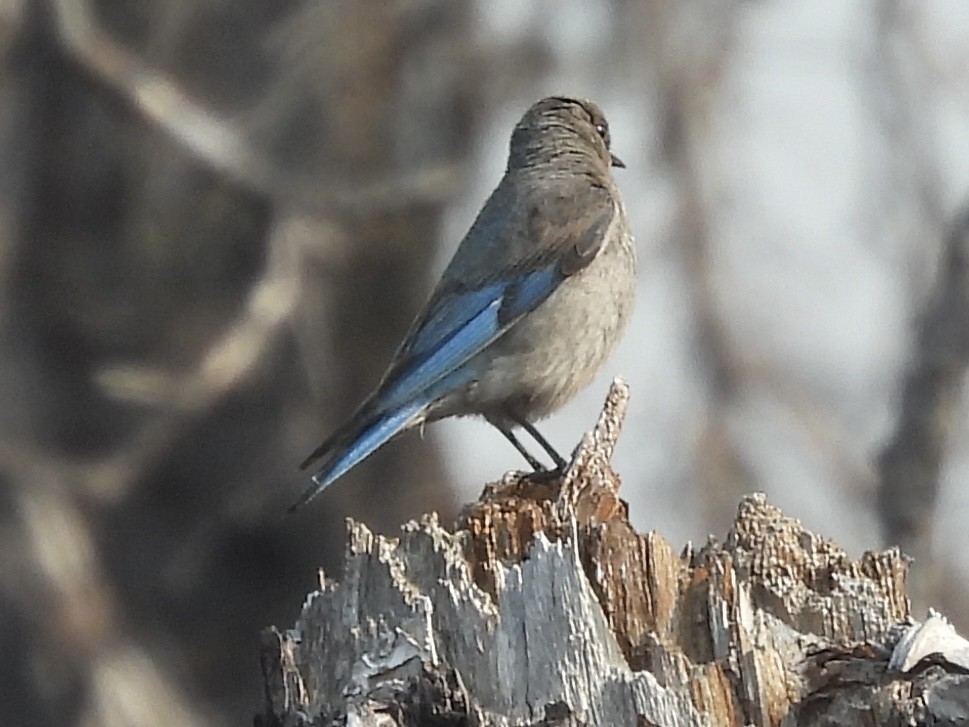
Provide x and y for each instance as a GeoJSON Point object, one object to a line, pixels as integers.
{"type": "Point", "coordinates": [543, 606]}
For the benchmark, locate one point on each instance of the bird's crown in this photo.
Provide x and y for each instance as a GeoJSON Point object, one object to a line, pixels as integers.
{"type": "Point", "coordinates": [560, 126]}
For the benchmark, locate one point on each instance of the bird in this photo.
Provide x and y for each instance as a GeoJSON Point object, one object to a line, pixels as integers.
{"type": "Point", "coordinates": [532, 303]}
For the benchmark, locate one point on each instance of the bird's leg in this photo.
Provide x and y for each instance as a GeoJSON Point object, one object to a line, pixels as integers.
{"type": "Point", "coordinates": [560, 463]}
{"type": "Point", "coordinates": [510, 436]}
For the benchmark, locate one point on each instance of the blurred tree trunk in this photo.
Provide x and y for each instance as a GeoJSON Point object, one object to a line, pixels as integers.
{"type": "Point", "coordinates": [911, 463]}
{"type": "Point", "coordinates": [387, 112]}
{"type": "Point", "coordinates": [688, 77]}
{"type": "Point", "coordinates": [194, 195]}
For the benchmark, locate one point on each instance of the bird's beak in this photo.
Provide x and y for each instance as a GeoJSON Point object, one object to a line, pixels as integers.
{"type": "Point", "coordinates": [616, 161]}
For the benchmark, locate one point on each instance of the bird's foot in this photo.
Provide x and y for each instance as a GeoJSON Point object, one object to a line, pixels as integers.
{"type": "Point", "coordinates": [544, 475]}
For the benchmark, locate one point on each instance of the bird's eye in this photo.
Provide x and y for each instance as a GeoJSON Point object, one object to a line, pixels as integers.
{"type": "Point", "coordinates": [602, 130]}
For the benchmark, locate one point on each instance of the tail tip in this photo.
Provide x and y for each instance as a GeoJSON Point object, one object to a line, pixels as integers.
{"type": "Point", "coordinates": [312, 491]}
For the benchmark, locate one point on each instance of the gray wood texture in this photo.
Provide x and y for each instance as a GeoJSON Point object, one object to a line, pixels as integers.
{"type": "Point", "coordinates": [543, 606]}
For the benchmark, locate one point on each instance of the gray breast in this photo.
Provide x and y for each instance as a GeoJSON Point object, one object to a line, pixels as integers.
{"type": "Point", "coordinates": [551, 354]}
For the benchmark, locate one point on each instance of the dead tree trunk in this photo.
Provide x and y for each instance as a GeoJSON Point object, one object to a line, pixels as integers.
{"type": "Point", "coordinates": [543, 606]}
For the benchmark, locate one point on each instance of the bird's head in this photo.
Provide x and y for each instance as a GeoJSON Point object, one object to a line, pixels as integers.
{"type": "Point", "coordinates": [559, 126]}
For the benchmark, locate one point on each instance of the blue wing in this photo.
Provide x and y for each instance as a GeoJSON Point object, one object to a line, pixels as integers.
{"type": "Point", "coordinates": [459, 322]}
{"type": "Point", "coordinates": [462, 324]}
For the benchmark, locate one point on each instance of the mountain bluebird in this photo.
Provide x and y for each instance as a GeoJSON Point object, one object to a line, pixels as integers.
{"type": "Point", "coordinates": [534, 300]}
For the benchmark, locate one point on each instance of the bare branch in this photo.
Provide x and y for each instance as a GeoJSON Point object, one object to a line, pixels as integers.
{"type": "Point", "coordinates": [222, 143]}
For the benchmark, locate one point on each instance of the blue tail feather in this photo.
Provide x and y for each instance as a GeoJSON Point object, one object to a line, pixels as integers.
{"type": "Point", "coordinates": [373, 435]}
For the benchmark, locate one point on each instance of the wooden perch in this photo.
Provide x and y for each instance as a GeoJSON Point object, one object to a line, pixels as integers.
{"type": "Point", "coordinates": [544, 607]}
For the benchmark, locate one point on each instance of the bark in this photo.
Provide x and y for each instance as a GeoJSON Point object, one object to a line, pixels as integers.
{"type": "Point", "coordinates": [544, 606]}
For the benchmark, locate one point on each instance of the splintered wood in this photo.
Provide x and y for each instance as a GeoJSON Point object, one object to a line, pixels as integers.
{"type": "Point", "coordinates": [544, 606]}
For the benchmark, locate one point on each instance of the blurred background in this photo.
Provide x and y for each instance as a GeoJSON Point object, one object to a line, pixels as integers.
{"type": "Point", "coordinates": [218, 217]}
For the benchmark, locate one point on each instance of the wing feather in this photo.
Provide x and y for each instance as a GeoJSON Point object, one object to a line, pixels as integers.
{"type": "Point", "coordinates": [460, 320]}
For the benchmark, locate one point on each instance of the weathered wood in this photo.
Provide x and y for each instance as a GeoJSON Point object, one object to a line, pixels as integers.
{"type": "Point", "coordinates": [544, 606]}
